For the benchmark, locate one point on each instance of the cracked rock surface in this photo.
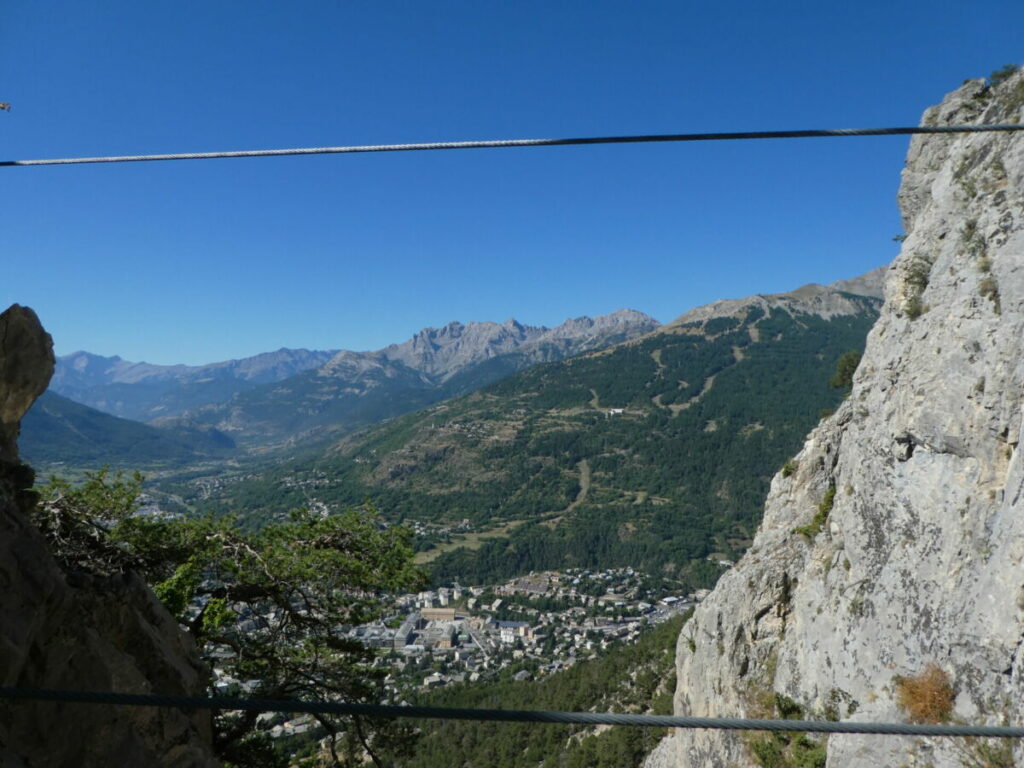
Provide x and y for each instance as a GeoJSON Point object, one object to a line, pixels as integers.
{"type": "Point", "coordinates": [920, 558]}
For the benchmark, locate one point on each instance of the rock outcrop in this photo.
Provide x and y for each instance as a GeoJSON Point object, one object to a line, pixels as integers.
{"type": "Point", "coordinates": [69, 630]}
{"type": "Point", "coordinates": [26, 364]}
{"type": "Point", "coordinates": [895, 539]}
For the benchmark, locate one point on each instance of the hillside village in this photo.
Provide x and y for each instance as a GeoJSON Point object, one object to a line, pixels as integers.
{"type": "Point", "coordinates": [524, 629]}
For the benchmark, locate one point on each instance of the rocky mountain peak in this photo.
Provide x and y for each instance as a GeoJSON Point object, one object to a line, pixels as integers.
{"type": "Point", "coordinates": [444, 352]}
{"type": "Point", "coordinates": [623, 319]}
{"type": "Point", "coordinates": [894, 541]}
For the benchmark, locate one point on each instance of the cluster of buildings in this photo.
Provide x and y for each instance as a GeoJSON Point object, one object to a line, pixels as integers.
{"type": "Point", "coordinates": [528, 627]}
{"type": "Point", "coordinates": [537, 624]}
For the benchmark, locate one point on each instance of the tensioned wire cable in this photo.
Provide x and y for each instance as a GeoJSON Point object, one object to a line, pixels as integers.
{"type": "Point", "coordinates": [501, 143]}
{"type": "Point", "coordinates": [506, 715]}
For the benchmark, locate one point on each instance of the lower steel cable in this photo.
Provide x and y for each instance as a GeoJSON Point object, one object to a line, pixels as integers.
{"type": "Point", "coordinates": [505, 715]}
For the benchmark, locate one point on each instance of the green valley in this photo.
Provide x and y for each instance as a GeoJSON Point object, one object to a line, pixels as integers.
{"type": "Point", "coordinates": [655, 453]}
{"type": "Point", "coordinates": [60, 434]}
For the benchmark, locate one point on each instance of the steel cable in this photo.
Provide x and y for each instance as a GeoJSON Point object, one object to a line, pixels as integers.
{"type": "Point", "coordinates": [506, 715]}
{"type": "Point", "coordinates": [500, 143]}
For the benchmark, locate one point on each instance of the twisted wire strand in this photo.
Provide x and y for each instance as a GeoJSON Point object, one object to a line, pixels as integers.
{"type": "Point", "coordinates": [501, 143]}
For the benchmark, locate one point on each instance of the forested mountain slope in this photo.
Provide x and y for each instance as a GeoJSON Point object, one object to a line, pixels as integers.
{"type": "Point", "coordinates": [58, 432]}
{"type": "Point", "coordinates": [654, 453]}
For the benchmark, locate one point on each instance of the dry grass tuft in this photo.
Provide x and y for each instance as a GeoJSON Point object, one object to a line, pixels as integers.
{"type": "Point", "coordinates": [926, 697]}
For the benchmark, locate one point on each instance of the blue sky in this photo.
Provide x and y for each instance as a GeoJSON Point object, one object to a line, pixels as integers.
{"type": "Point", "coordinates": [202, 261]}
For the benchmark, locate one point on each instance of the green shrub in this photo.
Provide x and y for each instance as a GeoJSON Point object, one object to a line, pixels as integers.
{"type": "Point", "coordinates": [919, 273]}
{"type": "Point", "coordinates": [845, 368]}
{"type": "Point", "coordinates": [998, 76]}
{"type": "Point", "coordinates": [914, 307]}
{"type": "Point", "coordinates": [986, 753]}
{"type": "Point", "coordinates": [813, 528]}
{"type": "Point", "coordinates": [789, 468]}
{"type": "Point", "coordinates": [787, 749]}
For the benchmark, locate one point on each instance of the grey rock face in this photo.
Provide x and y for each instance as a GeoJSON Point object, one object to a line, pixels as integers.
{"type": "Point", "coordinates": [26, 364]}
{"type": "Point", "coordinates": [77, 631]}
{"type": "Point", "coordinates": [921, 558]}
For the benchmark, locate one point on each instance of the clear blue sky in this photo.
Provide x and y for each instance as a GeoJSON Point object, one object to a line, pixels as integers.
{"type": "Point", "coordinates": [202, 261]}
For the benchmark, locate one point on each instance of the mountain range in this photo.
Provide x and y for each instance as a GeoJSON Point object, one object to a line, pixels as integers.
{"type": "Point", "coordinates": [295, 394]}
{"type": "Point", "coordinates": [655, 452]}
{"type": "Point", "coordinates": [143, 391]}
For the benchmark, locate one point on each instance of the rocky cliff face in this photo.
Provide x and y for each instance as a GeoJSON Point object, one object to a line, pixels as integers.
{"type": "Point", "coordinates": [909, 500]}
{"type": "Point", "coordinates": [69, 630]}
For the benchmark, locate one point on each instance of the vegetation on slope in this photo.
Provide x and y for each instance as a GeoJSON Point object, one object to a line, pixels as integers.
{"type": "Point", "coordinates": [636, 678]}
{"type": "Point", "coordinates": [656, 453]}
{"type": "Point", "coordinates": [58, 431]}
{"type": "Point", "coordinates": [263, 608]}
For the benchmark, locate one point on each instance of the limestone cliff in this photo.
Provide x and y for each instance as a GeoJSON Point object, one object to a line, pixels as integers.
{"type": "Point", "coordinates": [917, 553]}
{"type": "Point", "coordinates": [69, 630]}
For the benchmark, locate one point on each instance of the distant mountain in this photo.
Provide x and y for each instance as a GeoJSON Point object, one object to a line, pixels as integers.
{"type": "Point", "coordinates": [354, 389]}
{"type": "Point", "coordinates": [842, 298]}
{"type": "Point", "coordinates": [143, 391]}
{"type": "Point", "coordinates": [656, 452]}
{"type": "Point", "coordinates": [869, 284]}
{"type": "Point", "coordinates": [59, 431]}
{"type": "Point", "coordinates": [442, 353]}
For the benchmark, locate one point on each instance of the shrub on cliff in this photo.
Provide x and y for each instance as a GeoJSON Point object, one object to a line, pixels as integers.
{"type": "Point", "coordinates": [846, 366]}
{"type": "Point", "coordinates": [926, 697]}
{"type": "Point", "coordinates": [264, 607]}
